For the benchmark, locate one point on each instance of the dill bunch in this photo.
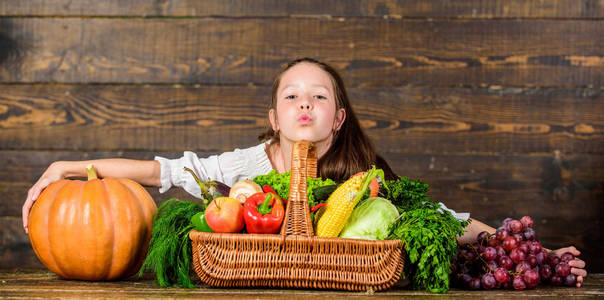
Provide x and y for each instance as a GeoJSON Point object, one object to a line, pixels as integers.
{"type": "Point", "coordinates": [169, 255]}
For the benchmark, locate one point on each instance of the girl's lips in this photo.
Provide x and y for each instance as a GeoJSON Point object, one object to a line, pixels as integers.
{"type": "Point", "coordinates": [304, 119]}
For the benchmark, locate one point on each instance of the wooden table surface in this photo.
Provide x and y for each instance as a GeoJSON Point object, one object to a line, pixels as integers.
{"type": "Point", "coordinates": [32, 284]}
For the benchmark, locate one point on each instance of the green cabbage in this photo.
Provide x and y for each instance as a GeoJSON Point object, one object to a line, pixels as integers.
{"type": "Point", "coordinates": [371, 220]}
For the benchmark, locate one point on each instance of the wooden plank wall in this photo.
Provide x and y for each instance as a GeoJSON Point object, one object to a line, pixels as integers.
{"type": "Point", "coordinates": [496, 104]}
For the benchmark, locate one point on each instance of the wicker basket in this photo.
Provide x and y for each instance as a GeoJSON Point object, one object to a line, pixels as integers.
{"type": "Point", "coordinates": [296, 258]}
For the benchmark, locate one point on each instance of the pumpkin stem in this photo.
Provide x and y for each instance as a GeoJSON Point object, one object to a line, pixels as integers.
{"type": "Point", "coordinates": [91, 172]}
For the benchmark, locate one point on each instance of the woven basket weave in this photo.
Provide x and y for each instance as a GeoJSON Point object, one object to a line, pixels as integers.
{"type": "Point", "coordinates": [296, 258]}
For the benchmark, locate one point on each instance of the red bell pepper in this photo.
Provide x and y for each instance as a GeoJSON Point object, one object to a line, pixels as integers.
{"type": "Point", "coordinates": [268, 189]}
{"type": "Point", "coordinates": [263, 213]}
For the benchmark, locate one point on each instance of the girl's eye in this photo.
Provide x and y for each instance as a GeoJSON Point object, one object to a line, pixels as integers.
{"type": "Point", "coordinates": [320, 97]}
{"type": "Point", "coordinates": [290, 97]}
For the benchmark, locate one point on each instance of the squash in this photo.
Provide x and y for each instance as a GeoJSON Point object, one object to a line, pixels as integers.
{"type": "Point", "coordinates": [92, 230]}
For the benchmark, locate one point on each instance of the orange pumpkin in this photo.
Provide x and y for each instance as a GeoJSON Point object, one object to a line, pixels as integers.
{"type": "Point", "coordinates": [92, 230]}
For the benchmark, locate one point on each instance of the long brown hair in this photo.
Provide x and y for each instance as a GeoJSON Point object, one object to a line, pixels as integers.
{"type": "Point", "coordinates": [351, 150]}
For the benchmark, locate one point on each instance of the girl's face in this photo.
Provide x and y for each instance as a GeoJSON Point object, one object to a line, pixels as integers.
{"type": "Point", "coordinates": [306, 105]}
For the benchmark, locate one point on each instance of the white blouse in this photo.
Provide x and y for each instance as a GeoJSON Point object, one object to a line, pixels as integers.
{"type": "Point", "coordinates": [228, 168]}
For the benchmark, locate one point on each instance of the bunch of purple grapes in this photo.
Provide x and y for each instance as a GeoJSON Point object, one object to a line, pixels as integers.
{"type": "Point", "coordinates": [511, 258]}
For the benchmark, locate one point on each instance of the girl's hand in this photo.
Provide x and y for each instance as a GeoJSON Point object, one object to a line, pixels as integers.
{"type": "Point", "coordinates": [52, 174]}
{"type": "Point", "coordinates": [577, 265]}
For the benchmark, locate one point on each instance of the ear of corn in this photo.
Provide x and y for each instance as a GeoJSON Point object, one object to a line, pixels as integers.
{"type": "Point", "coordinates": [341, 203]}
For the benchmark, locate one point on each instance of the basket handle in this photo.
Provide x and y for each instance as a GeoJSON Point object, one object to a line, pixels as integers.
{"type": "Point", "coordinates": [297, 213]}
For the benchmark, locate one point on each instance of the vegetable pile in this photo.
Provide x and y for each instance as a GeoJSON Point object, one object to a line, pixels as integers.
{"type": "Point", "coordinates": [342, 201]}
{"type": "Point", "coordinates": [359, 208]}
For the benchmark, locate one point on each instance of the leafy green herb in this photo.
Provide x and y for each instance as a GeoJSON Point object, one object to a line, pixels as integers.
{"type": "Point", "coordinates": [429, 237]}
{"type": "Point", "coordinates": [169, 255]}
{"type": "Point", "coordinates": [408, 194]}
{"type": "Point", "coordinates": [280, 183]}
{"type": "Point", "coordinates": [429, 234]}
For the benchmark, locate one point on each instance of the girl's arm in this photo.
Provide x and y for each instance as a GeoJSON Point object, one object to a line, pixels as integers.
{"type": "Point", "coordinates": [472, 230]}
{"type": "Point", "coordinates": [144, 172]}
{"type": "Point", "coordinates": [577, 265]}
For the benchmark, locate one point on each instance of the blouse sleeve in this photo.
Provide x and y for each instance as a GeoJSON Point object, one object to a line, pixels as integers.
{"type": "Point", "coordinates": [459, 216]}
{"type": "Point", "coordinates": [228, 168]}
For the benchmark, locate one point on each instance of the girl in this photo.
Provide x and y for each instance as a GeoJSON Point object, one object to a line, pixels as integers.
{"type": "Point", "coordinates": [309, 102]}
